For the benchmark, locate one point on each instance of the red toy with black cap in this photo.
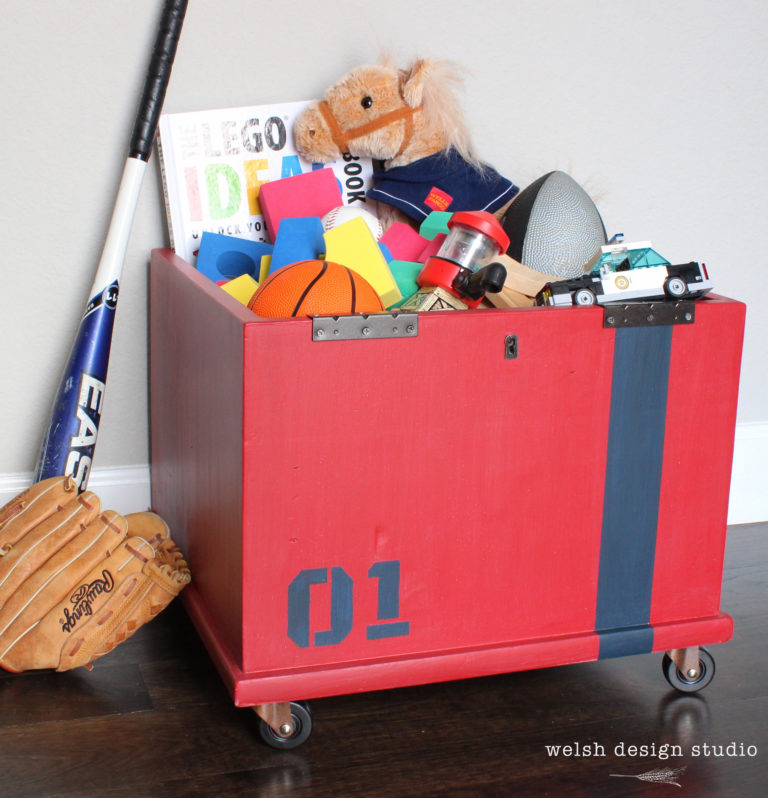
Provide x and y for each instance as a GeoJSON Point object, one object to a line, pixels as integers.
{"type": "Point", "coordinates": [461, 266]}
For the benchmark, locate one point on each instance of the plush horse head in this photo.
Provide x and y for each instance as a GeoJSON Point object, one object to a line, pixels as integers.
{"type": "Point", "coordinates": [388, 114]}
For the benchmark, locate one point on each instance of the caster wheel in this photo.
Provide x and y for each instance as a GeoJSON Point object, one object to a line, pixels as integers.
{"type": "Point", "coordinates": [684, 683]}
{"type": "Point", "coordinates": [302, 728]}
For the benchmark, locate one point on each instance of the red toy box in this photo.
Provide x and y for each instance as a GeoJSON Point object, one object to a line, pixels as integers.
{"type": "Point", "coordinates": [377, 502]}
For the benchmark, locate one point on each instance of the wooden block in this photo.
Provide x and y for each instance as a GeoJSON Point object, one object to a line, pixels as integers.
{"type": "Point", "coordinates": [242, 288]}
{"type": "Point", "coordinates": [507, 298]}
{"type": "Point", "coordinates": [522, 279]}
{"type": "Point", "coordinates": [403, 242]}
{"type": "Point", "coordinates": [308, 194]}
{"type": "Point", "coordinates": [297, 239]}
{"type": "Point", "coordinates": [433, 298]}
{"type": "Point", "coordinates": [352, 245]}
{"type": "Point", "coordinates": [226, 257]}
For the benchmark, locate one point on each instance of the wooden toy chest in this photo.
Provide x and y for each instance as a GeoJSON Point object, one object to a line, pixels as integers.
{"type": "Point", "coordinates": [376, 502]}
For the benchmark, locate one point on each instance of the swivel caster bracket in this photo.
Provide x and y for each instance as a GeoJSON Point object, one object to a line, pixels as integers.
{"type": "Point", "coordinates": [686, 660]}
{"type": "Point", "coordinates": [277, 716]}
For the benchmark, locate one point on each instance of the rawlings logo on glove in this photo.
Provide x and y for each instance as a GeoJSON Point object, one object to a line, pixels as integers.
{"type": "Point", "coordinates": [83, 599]}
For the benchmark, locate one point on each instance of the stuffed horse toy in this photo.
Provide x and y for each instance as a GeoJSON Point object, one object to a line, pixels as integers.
{"type": "Point", "coordinates": [411, 121]}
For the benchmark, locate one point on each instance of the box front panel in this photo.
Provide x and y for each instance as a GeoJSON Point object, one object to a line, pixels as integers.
{"type": "Point", "coordinates": [407, 496]}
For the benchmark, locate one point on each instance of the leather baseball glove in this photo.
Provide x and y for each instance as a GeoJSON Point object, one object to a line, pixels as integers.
{"type": "Point", "coordinates": [76, 581]}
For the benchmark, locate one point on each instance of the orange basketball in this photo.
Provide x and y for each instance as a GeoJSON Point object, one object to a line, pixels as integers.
{"type": "Point", "coordinates": [314, 288]}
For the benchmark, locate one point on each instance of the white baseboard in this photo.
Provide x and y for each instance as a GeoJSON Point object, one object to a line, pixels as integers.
{"type": "Point", "coordinates": [124, 489]}
{"type": "Point", "coordinates": [749, 479]}
{"type": "Point", "coordinates": [127, 489]}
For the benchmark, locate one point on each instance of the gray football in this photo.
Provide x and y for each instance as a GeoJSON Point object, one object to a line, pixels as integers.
{"type": "Point", "coordinates": [554, 226]}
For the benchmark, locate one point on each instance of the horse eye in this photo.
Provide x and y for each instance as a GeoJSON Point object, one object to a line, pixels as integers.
{"type": "Point", "coordinates": [367, 101]}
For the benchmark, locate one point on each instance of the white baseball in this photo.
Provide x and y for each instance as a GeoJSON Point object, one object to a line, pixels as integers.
{"type": "Point", "coordinates": [343, 213]}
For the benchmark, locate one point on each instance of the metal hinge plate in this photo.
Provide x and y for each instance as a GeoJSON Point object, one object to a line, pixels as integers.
{"type": "Point", "coordinates": [362, 326]}
{"type": "Point", "coordinates": [648, 314]}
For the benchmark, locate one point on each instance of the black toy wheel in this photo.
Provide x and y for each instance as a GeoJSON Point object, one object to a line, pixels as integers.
{"type": "Point", "coordinates": [302, 728]}
{"type": "Point", "coordinates": [684, 683]}
{"type": "Point", "coordinates": [676, 287]}
{"type": "Point", "coordinates": [584, 297]}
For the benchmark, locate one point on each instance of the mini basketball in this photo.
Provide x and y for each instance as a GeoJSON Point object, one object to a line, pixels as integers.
{"type": "Point", "coordinates": [344, 213]}
{"type": "Point", "coordinates": [314, 288]}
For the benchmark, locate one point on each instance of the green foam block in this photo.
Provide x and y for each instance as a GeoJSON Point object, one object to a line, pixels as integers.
{"type": "Point", "coordinates": [434, 224]}
{"type": "Point", "coordinates": [405, 273]}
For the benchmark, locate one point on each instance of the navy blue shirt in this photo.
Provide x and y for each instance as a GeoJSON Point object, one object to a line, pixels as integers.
{"type": "Point", "coordinates": [441, 182]}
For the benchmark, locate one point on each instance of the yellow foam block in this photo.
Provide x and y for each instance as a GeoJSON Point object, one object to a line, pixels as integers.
{"type": "Point", "coordinates": [352, 245]}
{"type": "Point", "coordinates": [242, 288]}
{"type": "Point", "coordinates": [264, 267]}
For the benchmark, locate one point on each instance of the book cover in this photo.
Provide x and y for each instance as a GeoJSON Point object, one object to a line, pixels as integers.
{"type": "Point", "coordinates": [213, 164]}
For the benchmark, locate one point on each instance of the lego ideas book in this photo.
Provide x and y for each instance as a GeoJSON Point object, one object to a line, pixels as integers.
{"type": "Point", "coordinates": [213, 164]}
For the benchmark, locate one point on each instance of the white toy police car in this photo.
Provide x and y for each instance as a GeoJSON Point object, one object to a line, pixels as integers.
{"type": "Point", "coordinates": [625, 272]}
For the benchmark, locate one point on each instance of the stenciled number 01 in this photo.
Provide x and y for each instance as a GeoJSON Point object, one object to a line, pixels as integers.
{"type": "Point", "coordinates": [342, 611]}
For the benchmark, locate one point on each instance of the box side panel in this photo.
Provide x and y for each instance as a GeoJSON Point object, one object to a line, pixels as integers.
{"type": "Point", "coordinates": [196, 353]}
{"type": "Point", "coordinates": [425, 494]}
{"type": "Point", "coordinates": [698, 453]}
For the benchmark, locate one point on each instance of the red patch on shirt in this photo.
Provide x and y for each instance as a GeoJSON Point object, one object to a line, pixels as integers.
{"type": "Point", "coordinates": [437, 199]}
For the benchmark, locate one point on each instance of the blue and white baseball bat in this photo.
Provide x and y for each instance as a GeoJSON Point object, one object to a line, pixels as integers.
{"type": "Point", "coordinates": [70, 438]}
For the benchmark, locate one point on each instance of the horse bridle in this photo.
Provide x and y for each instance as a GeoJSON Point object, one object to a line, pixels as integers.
{"type": "Point", "coordinates": [341, 138]}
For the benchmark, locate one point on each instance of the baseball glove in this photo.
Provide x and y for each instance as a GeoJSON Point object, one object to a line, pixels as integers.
{"type": "Point", "coordinates": [76, 581]}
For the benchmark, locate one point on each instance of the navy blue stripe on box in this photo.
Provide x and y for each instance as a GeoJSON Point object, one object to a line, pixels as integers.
{"type": "Point", "coordinates": [632, 486]}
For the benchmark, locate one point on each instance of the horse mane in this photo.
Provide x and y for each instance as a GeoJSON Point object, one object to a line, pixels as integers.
{"type": "Point", "coordinates": [441, 110]}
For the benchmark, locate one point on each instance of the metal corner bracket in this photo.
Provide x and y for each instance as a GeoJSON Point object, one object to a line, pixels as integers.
{"type": "Point", "coordinates": [648, 314]}
{"type": "Point", "coordinates": [362, 326]}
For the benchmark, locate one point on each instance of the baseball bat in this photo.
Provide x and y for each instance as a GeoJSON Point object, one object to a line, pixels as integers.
{"type": "Point", "coordinates": [70, 438]}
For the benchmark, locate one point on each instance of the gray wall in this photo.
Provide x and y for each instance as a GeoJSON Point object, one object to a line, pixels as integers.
{"type": "Point", "coordinates": [657, 107]}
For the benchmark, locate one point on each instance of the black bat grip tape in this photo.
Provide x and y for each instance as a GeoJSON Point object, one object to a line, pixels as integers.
{"type": "Point", "coordinates": [156, 82]}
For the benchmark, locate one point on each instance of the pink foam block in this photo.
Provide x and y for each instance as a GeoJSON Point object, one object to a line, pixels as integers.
{"type": "Point", "coordinates": [432, 247]}
{"type": "Point", "coordinates": [308, 194]}
{"type": "Point", "coordinates": [404, 242]}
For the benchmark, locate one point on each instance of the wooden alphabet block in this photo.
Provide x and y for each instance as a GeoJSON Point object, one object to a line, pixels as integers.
{"type": "Point", "coordinates": [433, 298]}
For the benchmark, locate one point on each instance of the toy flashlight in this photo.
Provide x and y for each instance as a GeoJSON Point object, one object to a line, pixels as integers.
{"type": "Point", "coordinates": [461, 266]}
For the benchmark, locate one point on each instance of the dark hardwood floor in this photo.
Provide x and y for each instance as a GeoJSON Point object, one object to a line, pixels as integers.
{"type": "Point", "coordinates": [153, 719]}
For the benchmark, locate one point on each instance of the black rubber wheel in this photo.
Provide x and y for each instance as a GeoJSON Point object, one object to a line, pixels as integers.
{"type": "Point", "coordinates": [684, 683]}
{"type": "Point", "coordinates": [584, 297]}
{"type": "Point", "coordinates": [676, 287]}
{"type": "Point", "coordinates": [302, 728]}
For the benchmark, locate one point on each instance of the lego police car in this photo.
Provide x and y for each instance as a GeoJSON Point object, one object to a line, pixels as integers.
{"type": "Point", "coordinates": [624, 272]}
